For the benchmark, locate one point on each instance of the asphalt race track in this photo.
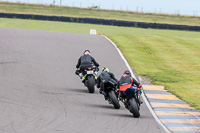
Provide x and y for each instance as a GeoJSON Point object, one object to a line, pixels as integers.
{"type": "Point", "coordinates": [39, 92]}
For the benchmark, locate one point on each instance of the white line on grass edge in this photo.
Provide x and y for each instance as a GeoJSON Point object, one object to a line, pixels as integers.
{"type": "Point", "coordinates": [143, 96]}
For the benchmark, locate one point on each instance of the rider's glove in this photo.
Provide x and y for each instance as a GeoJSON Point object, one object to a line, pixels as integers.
{"type": "Point", "coordinates": [139, 87]}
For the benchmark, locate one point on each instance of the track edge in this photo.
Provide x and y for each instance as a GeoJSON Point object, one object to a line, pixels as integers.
{"type": "Point", "coordinates": [136, 77]}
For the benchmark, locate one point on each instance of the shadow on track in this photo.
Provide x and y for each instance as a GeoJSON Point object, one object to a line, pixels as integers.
{"type": "Point", "coordinates": [129, 115]}
{"type": "Point", "coordinates": [77, 90]}
{"type": "Point", "coordinates": [122, 115]}
{"type": "Point", "coordinates": [126, 113]}
{"type": "Point", "coordinates": [8, 62]}
{"type": "Point", "coordinates": [101, 106]}
{"type": "Point", "coordinates": [116, 114]}
{"type": "Point", "coordinates": [80, 90]}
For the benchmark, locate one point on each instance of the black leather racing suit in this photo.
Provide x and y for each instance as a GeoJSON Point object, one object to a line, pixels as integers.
{"type": "Point", "coordinates": [105, 76]}
{"type": "Point", "coordinates": [86, 61]}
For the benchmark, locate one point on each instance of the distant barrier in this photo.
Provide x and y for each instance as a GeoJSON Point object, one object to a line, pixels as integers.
{"type": "Point", "coordinates": [101, 21]}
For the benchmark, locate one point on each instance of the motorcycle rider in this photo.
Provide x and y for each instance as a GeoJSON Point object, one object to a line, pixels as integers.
{"type": "Point", "coordinates": [85, 61]}
{"type": "Point", "coordinates": [127, 81]}
{"type": "Point", "coordinates": [105, 77]}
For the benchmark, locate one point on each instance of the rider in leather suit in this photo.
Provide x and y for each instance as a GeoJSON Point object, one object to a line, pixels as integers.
{"type": "Point", "coordinates": [127, 81]}
{"type": "Point", "coordinates": [105, 77]}
{"type": "Point", "coordinates": [85, 61]}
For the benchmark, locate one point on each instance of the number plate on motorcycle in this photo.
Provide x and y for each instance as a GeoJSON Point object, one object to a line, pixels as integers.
{"type": "Point", "coordinates": [90, 72]}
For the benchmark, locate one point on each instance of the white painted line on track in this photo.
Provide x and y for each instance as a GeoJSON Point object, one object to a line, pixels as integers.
{"type": "Point", "coordinates": [143, 96]}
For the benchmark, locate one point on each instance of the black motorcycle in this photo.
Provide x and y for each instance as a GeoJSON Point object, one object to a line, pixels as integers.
{"type": "Point", "coordinates": [110, 93]}
{"type": "Point", "coordinates": [131, 101]}
{"type": "Point", "coordinates": [89, 78]}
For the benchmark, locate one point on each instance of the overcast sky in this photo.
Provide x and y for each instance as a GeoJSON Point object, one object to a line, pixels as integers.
{"type": "Point", "coordinates": [185, 7]}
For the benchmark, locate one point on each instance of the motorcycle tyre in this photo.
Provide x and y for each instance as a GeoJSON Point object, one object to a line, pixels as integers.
{"type": "Point", "coordinates": [114, 99]}
{"type": "Point", "coordinates": [91, 83]}
{"type": "Point", "coordinates": [134, 108]}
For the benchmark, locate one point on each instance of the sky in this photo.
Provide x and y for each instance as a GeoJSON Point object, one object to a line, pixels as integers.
{"type": "Point", "coordinates": [183, 7]}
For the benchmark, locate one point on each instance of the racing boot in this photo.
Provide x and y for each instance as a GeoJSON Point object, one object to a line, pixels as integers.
{"type": "Point", "coordinates": [106, 97]}
{"type": "Point", "coordinates": [102, 92]}
{"type": "Point", "coordinates": [80, 75]}
{"type": "Point", "coordinates": [96, 73]}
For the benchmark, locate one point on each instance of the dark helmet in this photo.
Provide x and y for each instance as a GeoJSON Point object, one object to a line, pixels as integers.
{"type": "Point", "coordinates": [86, 51]}
{"type": "Point", "coordinates": [127, 72]}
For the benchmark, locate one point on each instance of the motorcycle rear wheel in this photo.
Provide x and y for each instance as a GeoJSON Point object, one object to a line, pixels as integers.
{"type": "Point", "coordinates": [134, 108]}
{"type": "Point", "coordinates": [114, 99]}
{"type": "Point", "coordinates": [91, 84]}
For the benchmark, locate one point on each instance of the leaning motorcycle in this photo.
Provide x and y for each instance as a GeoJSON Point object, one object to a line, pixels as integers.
{"type": "Point", "coordinates": [131, 101]}
{"type": "Point", "coordinates": [89, 78]}
{"type": "Point", "coordinates": [110, 93]}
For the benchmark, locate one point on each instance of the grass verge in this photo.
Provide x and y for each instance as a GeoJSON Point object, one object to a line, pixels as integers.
{"type": "Point", "coordinates": [169, 57]}
{"type": "Point", "coordinates": [97, 13]}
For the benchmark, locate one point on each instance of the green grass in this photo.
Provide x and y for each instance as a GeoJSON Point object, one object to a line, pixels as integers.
{"type": "Point", "coordinates": [96, 13]}
{"type": "Point", "coordinates": [169, 57]}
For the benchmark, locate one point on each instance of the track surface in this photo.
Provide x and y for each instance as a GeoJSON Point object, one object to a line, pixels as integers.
{"type": "Point", "coordinates": [39, 92]}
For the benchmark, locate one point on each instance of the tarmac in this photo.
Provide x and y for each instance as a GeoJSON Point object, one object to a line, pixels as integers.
{"type": "Point", "coordinates": [40, 93]}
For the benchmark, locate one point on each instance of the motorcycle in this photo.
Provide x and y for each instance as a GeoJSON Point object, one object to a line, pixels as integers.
{"type": "Point", "coordinates": [131, 101]}
{"type": "Point", "coordinates": [110, 93]}
{"type": "Point", "coordinates": [89, 76]}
